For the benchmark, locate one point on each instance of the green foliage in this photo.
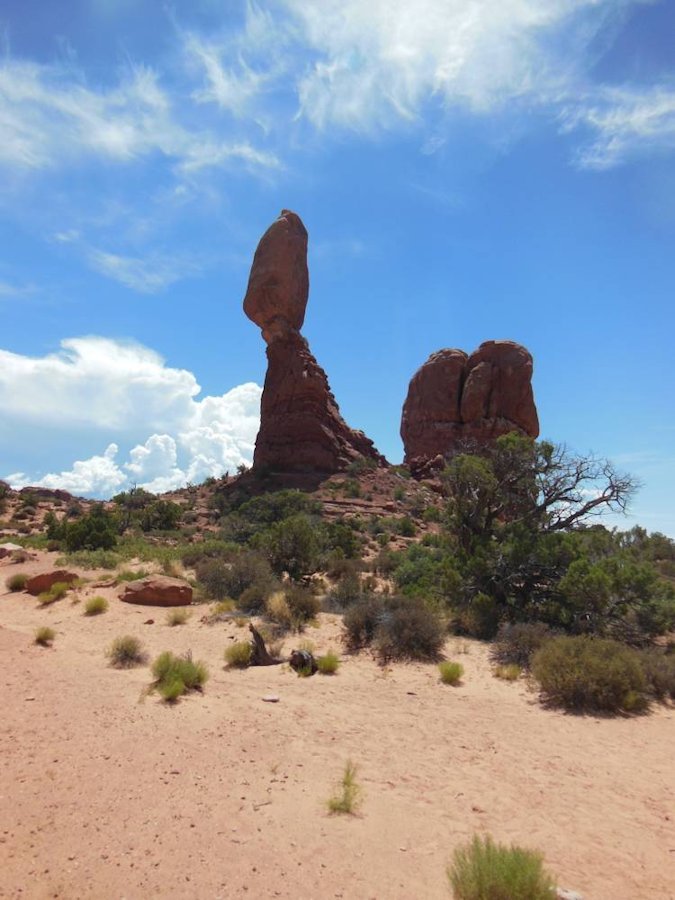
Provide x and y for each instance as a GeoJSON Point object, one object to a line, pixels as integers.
{"type": "Point", "coordinates": [125, 652]}
{"type": "Point", "coordinates": [484, 870]}
{"type": "Point", "coordinates": [91, 559]}
{"type": "Point", "coordinates": [347, 591]}
{"type": "Point", "coordinates": [348, 796]}
{"type": "Point", "coordinates": [44, 636]}
{"type": "Point", "coordinates": [17, 582]}
{"type": "Point", "coordinates": [479, 618]}
{"type": "Point", "coordinates": [177, 616]}
{"type": "Point", "coordinates": [291, 545]}
{"type": "Point", "coordinates": [95, 531]}
{"type": "Point", "coordinates": [427, 572]}
{"type": "Point", "coordinates": [328, 664]}
{"type": "Point", "coordinates": [517, 643]}
{"type": "Point", "coordinates": [131, 575]}
{"type": "Point", "coordinates": [659, 669]}
{"type": "Point", "coordinates": [303, 604]}
{"type": "Point", "coordinates": [585, 673]}
{"type": "Point", "coordinates": [175, 675]}
{"type": "Point", "coordinates": [408, 629]}
{"type": "Point", "coordinates": [361, 620]}
{"type": "Point", "coordinates": [56, 592]}
{"type": "Point", "coordinates": [238, 656]}
{"type": "Point", "coordinates": [451, 672]}
{"type": "Point", "coordinates": [232, 573]}
{"type": "Point", "coordinates": [95, 606]}
{"type": "Point", "coordinates": [406, 527]}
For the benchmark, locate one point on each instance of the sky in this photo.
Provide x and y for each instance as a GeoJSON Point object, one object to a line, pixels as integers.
{"type": "Point", "coordinates": [467, 170]}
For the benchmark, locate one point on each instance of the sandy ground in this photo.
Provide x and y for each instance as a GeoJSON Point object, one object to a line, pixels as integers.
{"type": "Point", "coordinates": [104, 794]}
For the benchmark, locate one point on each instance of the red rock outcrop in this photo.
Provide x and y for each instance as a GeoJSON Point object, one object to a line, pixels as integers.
{"type": "Point", "coordinates": [157, 590]}
{"type": "Point", "coordinates": [301, 429]}
{"type": "Point", "coordinates": [454, 399]}
{"type": "Point", "coordinates": [45, 580]}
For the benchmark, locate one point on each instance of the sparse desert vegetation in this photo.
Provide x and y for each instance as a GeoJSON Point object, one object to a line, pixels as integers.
{"type": "Point", "coordinates": [94, 606]}
{"type": "Point", "coordinates": [451, 672]}
{"type": "Point", "coordinates": [16, 582]}
{"type": "Point", "coordinates": [177, 616]}
{"type": "Point", "coordinates": [485, 870]}
{"type": "Point", "coordinates": [348, 796]}
{"type": "Point", "coordinates": [177, 675]}
{"type": "Point", "coordinates": [238, 655]}
{"type": "Point", "coordinates": [44, 635]}
{"type": "Point", "coordinates": [125, 652]}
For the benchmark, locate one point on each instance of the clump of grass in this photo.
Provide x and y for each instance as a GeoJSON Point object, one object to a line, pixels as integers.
{"type": "Point", "coordinates": [126, 652]}
{"type": "Point", "coordinates": [484, 870]}
{"type": "Point", "coordinates": [44, 636]}
{"type": "Point", "coordinates": [238, 656]}
{"type": "Point", "coordinates": [95, 606]}
{"type": "Point", "coordinates": [56, 592]}
{"type": "Point", "coordinates": [510, 672]}
{"type": "Point", "coordinates": [348, 796]}
{"type": "Point", "coordinates": [175, 675]}
{"type": "Point", "coordinates": [328, 664]}
{"type": "Point", "coordinates": [130, 575]}
{"type": "Point", "coordinates": [451, 672]}
{"type": "Point", "coordinates": [17, 582]}
{"type": "Point", "coordinates": [177, 616]}
{"type": "Point", "coordinates": [278, 610]}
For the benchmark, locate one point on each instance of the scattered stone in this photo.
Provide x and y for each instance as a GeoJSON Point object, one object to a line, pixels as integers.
{"type": "Point", "coordinates": [270, 698]}
{"type": "Point", "coordinates": [149, 622]}
{"type": "Point", "coordinates": [8, 549]}
{"type": "Point", "coordinates": [157, 590]}
{"type": "Point", "coordinates": [44, 581]}
{"type": "Point", "coordinates": [565, 894]}
{"type": "Point", "coordinates": [455, 399]}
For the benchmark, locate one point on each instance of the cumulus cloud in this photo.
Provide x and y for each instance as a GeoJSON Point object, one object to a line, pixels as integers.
{"type": "Point", "coordinates": [106, 388]}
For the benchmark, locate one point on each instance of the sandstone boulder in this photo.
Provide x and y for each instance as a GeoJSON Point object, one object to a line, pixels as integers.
{"type": "Point", "coordinates": [454, 399]}
{"type": "Point", "coordinates": [45, 580]}
{"type": "Point", "coordinates": [157, 590]}
{"type": "Point", "coordinates": [278, 285]}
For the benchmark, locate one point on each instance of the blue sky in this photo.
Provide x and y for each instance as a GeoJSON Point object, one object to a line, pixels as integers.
{"type": "Point", "coordinates": [466, 170]}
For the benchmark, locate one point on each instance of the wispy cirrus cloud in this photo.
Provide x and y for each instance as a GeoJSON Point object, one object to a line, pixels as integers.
{"type": "Point", "coordinates": [147, 276]}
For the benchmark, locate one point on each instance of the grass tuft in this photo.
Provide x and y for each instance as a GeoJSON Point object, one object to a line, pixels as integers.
{"type": "Point", "coordinates": [177, 616]}
{"type": "Point", "coordinates": [95, 606]}
{"type": "Point", "coordinates": [176, 675]}
{"type": "Point", "coordinates": [126, 652]}
{"type": "Point", "coordinates": [508, 672]}
{"type": "Point", "coordinates": [238, 656]}
{"type": "Point", "coordinates": [451, 672]}
{"type": "Point", "coordinates": [17, 582]}
{"type": "Point", "coordinates": [328, 664]}
{"type": "Point", "coordinates": [56, 592]}
{"type": "Point", "coordinates": [349, 794]}
{"type": "Point", "coordinates": [484, 870]}
{"type": "Point", "coordinates": [44, 636]}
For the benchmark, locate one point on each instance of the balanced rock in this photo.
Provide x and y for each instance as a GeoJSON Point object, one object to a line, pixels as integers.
{"type": "Point", "coordinates": [45, 580]}
{"type": "Point", "coordinates": [301, 429]}
{"type": "Point", "coordinates": [455, 399]}
{"type": "Point", "coordinates": [157, 590]}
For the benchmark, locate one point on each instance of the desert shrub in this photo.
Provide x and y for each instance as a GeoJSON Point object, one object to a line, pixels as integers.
{"type": "Point", "coordinates": [255, 596]}
{"type": "Point", "coordinates": [328, 664]}
{"type": "Point", "coordinates": [303, 604]}
{"type": "Point", "coordinates": [221, 611]}
{"type": "Point", "coordinates": [585, 673]}
{"type": "Point", "coordinates": [44, 636]}
{"type": "Point", "coordinates": [361, 620]}
{"type": "Point", "coordinates": [95, 606]}
{"type": "Point", "coordinates": [175, 675]}
{"type": "Point", "coordinates": [131, 575]}
{"type": "Point", "coordinates": [451, 672]}
{"type": "Point", "coordinates": [91, 559]}
{"type": "Point", "coordinates": [97, 530]}
{"type": "Point", "coordinates": [17, 582]}
{"type": "Point", "coordinates": [347, 591]}
{"type": "Point", "coordinates": [125, 652]}
{"type": "Point", "coordinates": [406, 527]}
{"type": "Point", "coordinates": [292, 545]}
{"type": "Point", "coordinates": [238, 656]}
{"type": "Point", "coordinates": [56, 592]}
{"type": "Point", "coordinates": [177, 616]}
{"type": "Point", "coordinates": [517, 643]}
{"type": "Point", "coordinates": [480, 617]}
{"type": "Point", "coordinates": [508, 672]}
{"type": "Point", "coordinates": [348, 796]}
{"type": "Point", "coordinates": [408, 629]}
{"type": "Point", "coordinates": [232, 575]}
{"type": "Point", "coordinates": [484, 870]}
{"type": "Point", "coordinates": [278, 611]}
{"type": "Point", "coordinates": [659, 669]}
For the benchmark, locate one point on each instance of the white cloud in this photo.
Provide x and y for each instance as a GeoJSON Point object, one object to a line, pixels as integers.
{"type": "Point", "coordinates": [148, 276]}
{"type": "Point", "coordinates": [15, 290]}
{"type": "Point", "coordinates": [626, 121]}
{"type": "Point", "coordinates": [105, 388]}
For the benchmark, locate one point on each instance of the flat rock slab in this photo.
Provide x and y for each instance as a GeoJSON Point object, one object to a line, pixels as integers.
{"type": "Point", "coordinates": [45, 580]}
{"type": "Point", "coordinates": [270, 698]}
{"type": "Point", "coordinates": [157, 590]}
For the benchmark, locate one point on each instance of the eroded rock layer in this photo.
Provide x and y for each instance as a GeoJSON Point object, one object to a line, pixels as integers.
{"type": "Point", "coordinates": [455, 398]}
{"type": "Point", "coordinates": [301, 429]}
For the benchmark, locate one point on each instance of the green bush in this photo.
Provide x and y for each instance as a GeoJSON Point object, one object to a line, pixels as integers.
{"type": "Point", "coordinates": [44, 636]}
{"type": "Point", "coordinates": [517, 643]}
{"type": "Point", "coordinates": [175, 675]}
{"type": "Point", "coordinates": [408, 629]}
{"type": "Point", "coordinates": [17, 582]}
{"type": "Point", "coordinates": [292, 546]}
{"type": "Point", "coordinates": [451, 672]}
{"type": "Point", "coordinates": [253, 599]}
{"type": "Point", "coordinates": [360, 622]}
{"type": "Point", "coordinates": [347, 591]}
{"type": "Point", "coordinates": [238, 656]}
{"type": "Point", "coordinates": [348, 796]}
{"type": "Point", "coordinates": [328, 664]}
{"type": "Point", "coordinates": [97, 530]}
{"type": "Point", "coordinates": [303, 604]}
{"type": "Point", "coordinates": [659, 669]}
{"type": "Point", "coordinates": [131, 575]}
{"type": "Point", "coordinates": [56, 592]}
{"type": "Point", "coordinates": [484, 870]}
{"type": "Point", "coordinates": [585, 673]}
{"type": "Point", "coordinates": [480, 618]}
{"type": "Point", "coordinates": [95, 606]}
{"type": "Point", "coordinates": [231, 575]}
{"type": "Point", "coordinates": [126, 652]}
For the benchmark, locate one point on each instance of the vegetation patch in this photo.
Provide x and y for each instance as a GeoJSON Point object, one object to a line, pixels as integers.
{"type": "Point", "coordinates": [348, 796]}
{"type": "Point", "coordinates": [44, 636]}
{"type": "Point", "coordinates": [95, 606]}
{"type": "Point", "coordinates": [56, 592]}
{"type": "Point", "coordinates": [328, 664]}
{"type": "Point", "coordinates": [17, 582]}
{"type": "Point", "coordinates": [238, 656]}
{"type": "Point", "coordinates": [451, 672]}
{"type": "Point", "coordinates": [517, 643]}
{"type": "Point", "coordinates": [176, 675]}
{"type": "Point", "coordinates": [125, 652]}
{"type": "Point", "coordinates": [408, 629]}
{"type": "Point", "coordinates": [508, 672]}
{"type": "Point", "coordinates": [484, 870]}
{"type": "Point", "coordinates": [177, 616]}
{"type": "Point", "coordinates": [585, 673]}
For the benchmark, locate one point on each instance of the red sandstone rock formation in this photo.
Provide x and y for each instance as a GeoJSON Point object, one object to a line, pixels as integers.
{"type": "Point", "coordinates": [454, 398]}
{"type": "Point", "coordinates": [301, 429]}
{"type": "Point", "coordinates": [45, 580]}
{"type": "Point", "coordinates": [157, 590]}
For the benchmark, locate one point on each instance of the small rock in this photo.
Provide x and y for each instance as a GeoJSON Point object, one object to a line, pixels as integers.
{"type": "Point", "coordinates": [149, 622]}
{"type": "Point", "coordinates": [565, 894]}
{"type": "Point", "coordinates": [270, 698]}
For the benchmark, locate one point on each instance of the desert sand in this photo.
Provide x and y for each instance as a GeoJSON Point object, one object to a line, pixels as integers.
{"type": "Point", "coordinates": [108, 793]}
